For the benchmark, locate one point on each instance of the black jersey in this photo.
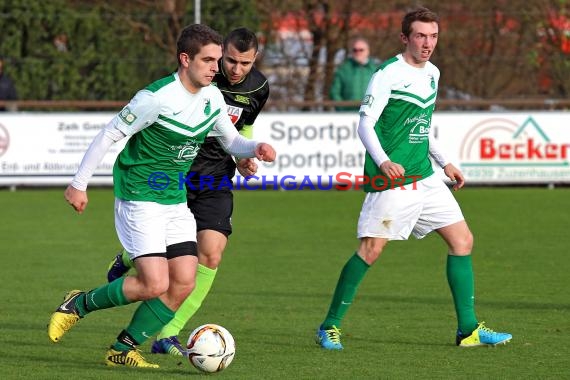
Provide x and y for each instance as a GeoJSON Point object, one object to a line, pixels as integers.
{"type": "Point", "coordinates": [244, 102]}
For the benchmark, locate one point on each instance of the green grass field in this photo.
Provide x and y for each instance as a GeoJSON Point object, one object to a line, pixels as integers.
{"type": "Point", "coordinates": [276, 281]}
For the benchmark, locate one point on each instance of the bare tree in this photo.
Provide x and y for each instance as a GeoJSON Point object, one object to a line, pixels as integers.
{"type": "Point", "coordinates": [552, 55]}
{"type": "Point", "coordinates": [487, 49]}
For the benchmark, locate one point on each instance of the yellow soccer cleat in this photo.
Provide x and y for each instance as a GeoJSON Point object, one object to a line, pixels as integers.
{"type": "Point", "coordinates": [129, 358]}
{"type": "Point", "coordinates": [482, 336]}
{"type": "Point", "coordinates": [65, 317]}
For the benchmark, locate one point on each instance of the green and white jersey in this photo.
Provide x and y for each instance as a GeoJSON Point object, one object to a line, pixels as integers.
{"type": "Point", "coordinates": [401, 98]}
{"type": "Point", "coordinates": [167, 125]}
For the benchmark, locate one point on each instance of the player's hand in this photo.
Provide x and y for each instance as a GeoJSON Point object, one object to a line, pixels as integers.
{"type": "Point", "coordinates": [76, 198]}
{"type": "Point", "coordinates": [246, 167]}
{"type": "Point", "coordinates": [392, 169]}
{"type": "Point", "coordinates": [265, 152]}
{"type": "Point", "coordinates": [454, 174]}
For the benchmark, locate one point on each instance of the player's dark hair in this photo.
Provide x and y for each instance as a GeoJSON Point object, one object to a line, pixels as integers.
{"type": "Point", "coordinates": [193, 37]}
{"type": "Point", "coordinates": [242, 39]}
{"type": "Point", "coordinates": [420, 14]}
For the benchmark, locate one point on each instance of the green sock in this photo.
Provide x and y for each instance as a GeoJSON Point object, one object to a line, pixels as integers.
{"type": "Point", "coordinates": [104, 297]}
{"type": "Point", "coordinates": [462, 285]}
{"type": "Point", "coordinates": [350, 277]}
{"type": "Point", "coordinates": [148, 319]}
{"type": "Point", "coordinates": [204, 280]}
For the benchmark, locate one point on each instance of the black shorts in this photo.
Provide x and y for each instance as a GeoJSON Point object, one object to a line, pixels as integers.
{"type": "Point", "coordinates": [212, 209]}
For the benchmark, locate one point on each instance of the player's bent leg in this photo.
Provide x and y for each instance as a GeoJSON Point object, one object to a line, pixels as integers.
{"type": "Point", "coordinates": [167, 341]}
{"type": "Point", "coordinates": [482, 336]}
{"type": "Point", "coordinates": [151, 280]}
{"type": "Point", "coordinates": [65, 317]}
{"type": "Point", "coordinates": [210, 249]}
{"type": "Point", "coordinates": [182, 277]}
{"type": "Point", "coordinates": [328, 334]}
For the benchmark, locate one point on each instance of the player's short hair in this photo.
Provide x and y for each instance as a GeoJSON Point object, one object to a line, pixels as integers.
{"type": "Point", "coordinates": [419, 14]}
{"type": "Point", "coordinates": [242, 39]}
{"type": "Point", "coordinates": [193, 37]}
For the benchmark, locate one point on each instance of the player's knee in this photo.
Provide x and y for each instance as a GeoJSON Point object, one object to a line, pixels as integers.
{"type": "Point", "coordinates": [210, 258]}
{"type": "Point", "coordinates": [154, 289]}
{"type": "Point", "coordinates": [370, 249]}
{"type": "Point", "coordinates": [463, 244]}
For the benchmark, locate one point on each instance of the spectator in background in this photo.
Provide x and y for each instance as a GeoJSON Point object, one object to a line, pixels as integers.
{"type": "Point", "coordinates": [60, 42]}
{"type": "Point", "coordinates": [352, 76]}
{"type": "Point", "coordinates": [7, 88]}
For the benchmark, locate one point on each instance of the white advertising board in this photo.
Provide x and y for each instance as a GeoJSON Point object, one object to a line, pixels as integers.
{"type": "Point", "coordinates": [490, 148]}
{"type": "Point", "coordinates": [46, 148]}
{"type": "Point", "coordinates": [507, 148]}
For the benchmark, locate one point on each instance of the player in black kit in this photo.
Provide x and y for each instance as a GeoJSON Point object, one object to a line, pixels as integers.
{"type": "Point", "coordinates": [209, 194]}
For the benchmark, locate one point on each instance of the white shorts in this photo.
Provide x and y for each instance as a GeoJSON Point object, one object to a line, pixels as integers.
{"type": "Point", "coordinates": [149, 227]}
{"type": "Point", "coordinates": [418, 208]}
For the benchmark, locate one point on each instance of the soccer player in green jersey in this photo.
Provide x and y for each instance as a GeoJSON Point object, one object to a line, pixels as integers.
{"type": "Point", "coordinates": [245, 91]}
{"type": "Point", "coordinates": [403, 196]}
{"type": "Point", "coordinates": [167, 122]}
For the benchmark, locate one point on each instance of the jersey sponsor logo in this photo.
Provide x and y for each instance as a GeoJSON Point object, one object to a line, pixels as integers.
{"type": "Point", "coordinates": [234, 113]}
{"type": "Point", "coordinates": [368, 100]}
{"type": "Point", "coordinates": [242, 99]}
{"type": "Point", "coordinates": [420, 128]}
{"type": "Point", "coordinates": [127, 116]}
{"type": "Point", "coordinates": [187, 152]}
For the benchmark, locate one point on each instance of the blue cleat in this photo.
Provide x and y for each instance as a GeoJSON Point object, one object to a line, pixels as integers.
{"type": "Point", "coordinates": [116, 268]}
{"type": "Point", "coordinates": [482, 336]}
{"type": "Point", "coordinates": [169, 345]}
{"type": "Point", "coordinates": [329, 339]}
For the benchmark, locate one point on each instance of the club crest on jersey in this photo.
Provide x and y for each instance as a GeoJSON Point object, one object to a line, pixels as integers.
{"type": "Point", "coordinates": [207, 107]}
{"type": "Point", "coordinates": [127, 116]}
{"type": "Point", "coordinates": [234, 113]}
{"type": "Point", "coordinates": [368, 100]}
{"type": "Point", "coordinates": [432, 82]}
